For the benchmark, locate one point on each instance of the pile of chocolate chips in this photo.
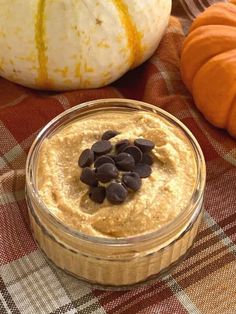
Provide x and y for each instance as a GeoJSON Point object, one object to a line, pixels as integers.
{"type": "Point", "coordinates": [120, 171]}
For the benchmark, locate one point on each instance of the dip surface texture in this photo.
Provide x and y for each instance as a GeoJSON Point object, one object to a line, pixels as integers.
{"type": "Point", "coordinates": [161, 198]}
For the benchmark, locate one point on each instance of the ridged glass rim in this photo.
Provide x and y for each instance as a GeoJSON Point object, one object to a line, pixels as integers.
{"type": "Point", "coordinates": [195, 200]}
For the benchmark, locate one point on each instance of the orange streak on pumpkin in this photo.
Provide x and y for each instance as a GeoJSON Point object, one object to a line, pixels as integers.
{"type": "Point", "coordinates": [40, 45]}
{"type": "Point", "coordinates": [133, 35]}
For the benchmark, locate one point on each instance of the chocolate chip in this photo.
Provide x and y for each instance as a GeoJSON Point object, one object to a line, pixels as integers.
{"type": "Point", "coordinates": [105, 159]}
{"type": "Point", "coordinates": [125, 162]}
{"type": "Point", "coordinates": [143, 170]}
{"type": "Point", "coordinates": [147, 159]}
{"type": "Point", "coordinates": [121, 145]}
{"type": "Point", "coordinates": [101, 147]}
{"type": "Point", "coordinates": [86, 158]}
{"type": "Point", "coordinates": [116, 193]}
{"type": "Point", "coordinates": [97, 194]}
{"type": "Point", "coordinates": [88, 177]}
{"type": "Point", "coordinates": [112, 156]}
{"type": "Point", "coordinates": [132, 181]}
{"type": "Point", "coordinates": [135, 152]}
{"type": "Point", "coordinates": [106, 172]}
{"type": "Point", "coordinates": [109, 134]}
{"type": "Point", "coordinates": [144, 145]}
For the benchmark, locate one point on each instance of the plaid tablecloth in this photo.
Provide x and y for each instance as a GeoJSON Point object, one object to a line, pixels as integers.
{"type": "Point", "coordinates": [203, 283]}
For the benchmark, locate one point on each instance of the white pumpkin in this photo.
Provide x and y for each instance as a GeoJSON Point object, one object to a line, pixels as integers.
{"type": "Point", "coordinates": [70, 44]}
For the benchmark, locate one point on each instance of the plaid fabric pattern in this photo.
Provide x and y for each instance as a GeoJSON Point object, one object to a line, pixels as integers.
{"type": "Point", "coordinates": [203, 283]}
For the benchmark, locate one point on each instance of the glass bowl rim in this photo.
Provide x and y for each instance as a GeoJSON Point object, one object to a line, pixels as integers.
{"type": "Point", "coordinates": [31, 189]}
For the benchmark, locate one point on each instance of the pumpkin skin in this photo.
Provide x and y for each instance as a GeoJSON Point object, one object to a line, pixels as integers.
{"type": "Point", "coordinates": [71, 44]}
{"type": "Point", "coordinates": [208, 64]}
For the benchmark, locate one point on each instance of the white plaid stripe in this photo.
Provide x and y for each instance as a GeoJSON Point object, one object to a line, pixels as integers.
{"type": "Point", "coordinates": [217, 286]}
{"type": "Point", "coordinates": [16, 270]}
{"type": "Point", "coordinates": [33, 286]}
{"type": "Point", "coordinates": [220, 232]}
{"type": "Point", "coordinates": [159, 77]}
{"type": "Point", "coordinates": [13, 150]}
{"type": "Point", "coordinates": [39, 287]}
{"type": "Point", "coordinates": [181, 295]}
{"type": "Point", "coordinates": [2, 163]}
{"type": "Point", "coordinates": [116, 91]}
{"type": "Point", "coordinates": [63, 101]}
{"type": "Point", "coordinates": [79, 293]}
{"type": "Point", "coordinates": [22, 275]}
{"type": "Point", "coordinates": [39, 291]}
{"type": "Point", "coordinates": [73, 287]}
{"type": "Point", "coordinates": [11, 197]}
{"type": "Point", "coordinates": [197, 260]}
{"type": "Point", "coordinates": [219, 147]}
{"type": "Point", "coordinates": [29, 140]}
{"type": "Point", "coordinates": [14, 153]}
{"type": "Point", "coordinates": [151, 80]}
{"type": "Point", "coordinates": [88, 307]}
{"type": "Point", "coordinates": [134, 297]}
{"type": "Point", "coordinates": [7, 140]}
{"type": "Point", "coordinates": [3, 305]}
{"type": "Point", "coordinates": [172, 30]}
{"type": "Point", "coordinates": [167, 76]}
{"type": "Point", "coordinates": [182, 114]}
{"type": "Point", "coordinates": [231, 156]}
{"type": "Point", "coordinates": [15, 101]}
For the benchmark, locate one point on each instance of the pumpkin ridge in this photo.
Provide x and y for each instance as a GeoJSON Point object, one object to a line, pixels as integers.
{"type": "Point", "coordinates": [208, 64]}
{"type": "Point", "coordinates": [197, 39]}
{"type": "Point", "coordinates": [220, 63]}
{"type": "Point", "coordinates": [133, 35]}
{"type": "Point", "coordinates": [40, 44]}
{"type": "Point", "coordinates": [217, 14]}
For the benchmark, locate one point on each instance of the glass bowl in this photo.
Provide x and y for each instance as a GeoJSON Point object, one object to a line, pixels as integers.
{"type": "Point", "coordinates": [106, 261]}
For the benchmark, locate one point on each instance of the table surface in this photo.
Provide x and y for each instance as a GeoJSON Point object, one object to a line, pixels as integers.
{"type": "Point", "coordinates": [202, 283]}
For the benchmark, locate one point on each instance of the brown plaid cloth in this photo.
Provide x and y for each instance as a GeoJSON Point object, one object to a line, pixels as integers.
{"type": "Point", "coordinates": [203, 283]}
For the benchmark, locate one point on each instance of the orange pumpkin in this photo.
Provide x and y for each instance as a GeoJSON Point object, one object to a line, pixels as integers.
{"type": "Point", "coordinates": [208, 64]}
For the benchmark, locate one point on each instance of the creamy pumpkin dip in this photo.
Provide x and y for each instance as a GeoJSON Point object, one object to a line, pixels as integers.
{"type": "Point", "coordinates": [161, 197]}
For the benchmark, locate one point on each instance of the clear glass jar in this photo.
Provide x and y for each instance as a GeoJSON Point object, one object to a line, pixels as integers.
{"type": "Point", "coordinates": [113, 262]}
